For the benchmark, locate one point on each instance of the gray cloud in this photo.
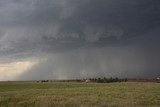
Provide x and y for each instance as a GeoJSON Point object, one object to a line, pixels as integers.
{"type": "Point", "coordinates": [128, 62]}
{"type": "Point", "coordinates": [38, 28]}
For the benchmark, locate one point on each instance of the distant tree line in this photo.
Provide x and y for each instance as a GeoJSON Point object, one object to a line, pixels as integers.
{"type": "Point", "coordinates": [44, 81]}
{"type": "Point", "coordinates": [108, 80]}
{"type": "Point", "coordinates": [96, 80]}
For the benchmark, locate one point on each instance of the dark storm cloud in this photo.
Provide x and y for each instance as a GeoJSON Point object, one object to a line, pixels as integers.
{"type": "Point", "coordinates": [89, 20]}
{"type": "Point", "coordinates": [38, 28]}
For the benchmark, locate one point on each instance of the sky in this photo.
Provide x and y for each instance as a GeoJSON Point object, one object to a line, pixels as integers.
{"type": "Point", "coordinates": [76, 39]}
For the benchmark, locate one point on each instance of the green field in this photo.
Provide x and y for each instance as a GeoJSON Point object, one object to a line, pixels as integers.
{"type": "Point", "coordinates": [70, 94]}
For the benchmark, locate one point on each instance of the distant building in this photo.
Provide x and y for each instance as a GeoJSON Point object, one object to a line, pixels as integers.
{"type": "Point", "coordinates": [158, 78]}
{"type": "Point", "coordinates": [88, 81]}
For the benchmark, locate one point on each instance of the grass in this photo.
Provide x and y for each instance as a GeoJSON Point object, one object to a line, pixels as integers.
{"type": "Point", "coordinates": [68, 94]}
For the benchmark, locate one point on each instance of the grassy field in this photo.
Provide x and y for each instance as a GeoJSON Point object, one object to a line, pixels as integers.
{"type": "Point", "coordinates": [63, 94]}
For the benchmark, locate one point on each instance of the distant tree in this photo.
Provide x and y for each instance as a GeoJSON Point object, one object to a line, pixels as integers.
{"type": "Point", "coordinates": [125, 80]}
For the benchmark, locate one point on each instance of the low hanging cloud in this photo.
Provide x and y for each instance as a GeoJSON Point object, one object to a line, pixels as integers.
{"type": "Point", "coordinates": [78, 39]}
{"type": "Point", "coordinates": [128, 62]}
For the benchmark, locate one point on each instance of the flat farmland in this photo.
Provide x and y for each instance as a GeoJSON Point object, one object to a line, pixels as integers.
{"type": "Point", "coordinates": [74, 94]}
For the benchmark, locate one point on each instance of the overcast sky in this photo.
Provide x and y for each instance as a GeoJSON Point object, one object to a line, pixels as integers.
{"type": "Point", "coordinates": [74, 39]}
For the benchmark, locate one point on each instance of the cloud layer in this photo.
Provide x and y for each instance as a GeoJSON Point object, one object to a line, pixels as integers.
{"type": "Point", "coordinates": [78, 39]}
